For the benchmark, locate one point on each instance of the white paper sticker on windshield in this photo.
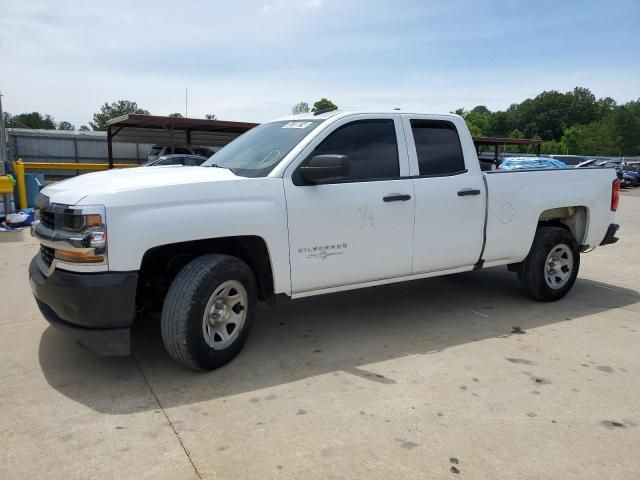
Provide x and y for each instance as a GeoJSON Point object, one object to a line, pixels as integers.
{"type": "Point", "coordinates": [296, 125]}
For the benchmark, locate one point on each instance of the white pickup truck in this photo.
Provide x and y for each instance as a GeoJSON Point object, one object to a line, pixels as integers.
{"type": "Point", "coordinates": [301, 206]}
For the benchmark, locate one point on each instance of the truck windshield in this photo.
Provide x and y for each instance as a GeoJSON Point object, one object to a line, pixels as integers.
{"type": "Point", "coordinates": [258, 151]}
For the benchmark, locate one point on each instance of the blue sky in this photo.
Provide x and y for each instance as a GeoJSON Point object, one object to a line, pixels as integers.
{"type": "Point", "coordinates": [252, 60]}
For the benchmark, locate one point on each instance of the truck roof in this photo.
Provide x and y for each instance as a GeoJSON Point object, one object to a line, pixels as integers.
{"type": "Point", "coordinates": [333, 113]}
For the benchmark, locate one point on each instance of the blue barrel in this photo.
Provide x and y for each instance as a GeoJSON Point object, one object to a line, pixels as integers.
{"type": "Point", "coordinates": [33, 183]}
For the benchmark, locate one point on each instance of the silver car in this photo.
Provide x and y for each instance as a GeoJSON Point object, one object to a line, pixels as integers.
{"type": "Point", "coordinates": [187, 160]}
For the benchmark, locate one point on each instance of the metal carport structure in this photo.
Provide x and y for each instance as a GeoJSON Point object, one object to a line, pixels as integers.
{"type": "Point", "coordinates": [497, 142]}
{"type": "Point", "coordinates": [175, 131]}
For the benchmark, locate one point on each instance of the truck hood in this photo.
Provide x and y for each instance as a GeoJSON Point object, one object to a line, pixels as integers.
{"type": "Point", "coordinates": [73, 190]}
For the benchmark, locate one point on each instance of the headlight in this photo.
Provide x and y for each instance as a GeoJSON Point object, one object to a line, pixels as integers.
{"type": "Point", "coordinates": [76, 234]}
{"type": "Point", "coordinates": [77, 222]}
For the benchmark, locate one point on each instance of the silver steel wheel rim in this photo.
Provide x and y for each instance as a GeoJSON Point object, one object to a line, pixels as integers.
{"type": "Point", "coordinates": [558, 266]}
{"type": "Point", "coordinates": [225, 314]}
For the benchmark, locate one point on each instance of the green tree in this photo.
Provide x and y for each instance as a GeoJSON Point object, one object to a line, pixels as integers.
{"type": "Point", "coordinates": [571, 140]}
{"type": "Point", "coordinates": [34, 120]}
{"type": "Point", "coordinates": [605, 106]}
{"type": "Point", "coordinates": [474, 130]}
{"type": "Point", "coordinates": [66, 126]}
{"type": "Point", "coordinates": [624, 129]}
{"type": "Point", "coordinates": [634, 107]}
{"type": "Point", "coordinates": [551, 147]}
{"type": "Point", "coordinates": [478, 120]}
{"type": "Point", "coordinates": [545, 115]}
{"type": "Point", "coordinates": [84, 128]}
{"type": "Point", "coordinates": [210, 116]}
{"type": "Point", "coordinates": [516, 148]}
{"type": "Point", "coordinates": [499, 124]}
{"type": "Point", "coordinates": [515, 133]}
{"type": "Point", "coordinates": [583, 108]}
{"type": "Point", "coordinates": [300, 107]}
{"type": "Point", "coordinates": [480, 110]}
{"type": "Point", "coordinates": [113, 110]}
{"type": "Point", "coordinates": [324, 104]}
{"type": "Point", "coordinates": [573, 122]}
{"type": "Point", "coordinates": [175, 115]}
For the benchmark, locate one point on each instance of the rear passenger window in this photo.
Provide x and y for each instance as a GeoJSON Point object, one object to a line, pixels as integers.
{"type": "Point", "coordinates": [438, 147]}
{"type": "Point", "coordinates": [371, 146]}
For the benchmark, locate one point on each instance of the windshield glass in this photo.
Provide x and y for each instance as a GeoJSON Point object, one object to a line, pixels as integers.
{"type": "Point", "coordinates": [258, 151]}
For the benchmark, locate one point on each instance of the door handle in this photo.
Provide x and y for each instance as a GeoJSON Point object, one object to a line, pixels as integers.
{"type": "Point", "coordinates": [396, 197]}
{"type": "Point", "coordinates": [468, 191]}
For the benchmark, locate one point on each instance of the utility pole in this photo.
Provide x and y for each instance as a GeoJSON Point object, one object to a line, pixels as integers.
{"type": "Point", "coordinates": [3, 140]}
{"type": "Point", "coordinates": [186, 112]}
{"type": "Point", "coordinates": [3, 157]}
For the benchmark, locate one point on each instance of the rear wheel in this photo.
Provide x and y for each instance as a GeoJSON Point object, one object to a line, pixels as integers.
{"type": "Point", "coordinates": [551, 268]}
{"type": "Point", "coordinates": [208, 311]}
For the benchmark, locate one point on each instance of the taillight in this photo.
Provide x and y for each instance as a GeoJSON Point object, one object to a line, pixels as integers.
{"type": "Point", "coordinates": [615, 194]}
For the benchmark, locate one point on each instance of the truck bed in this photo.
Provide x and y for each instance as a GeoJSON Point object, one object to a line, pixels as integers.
{"type": "Point", "coordinates": [517, 198]}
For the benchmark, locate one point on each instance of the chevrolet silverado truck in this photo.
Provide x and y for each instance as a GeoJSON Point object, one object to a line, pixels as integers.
{"type": "Point", "coordinates": [304, 205]}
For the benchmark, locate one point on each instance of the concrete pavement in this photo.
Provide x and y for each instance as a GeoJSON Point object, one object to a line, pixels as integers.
{"type": "Point", "coordinates": [422, 380]}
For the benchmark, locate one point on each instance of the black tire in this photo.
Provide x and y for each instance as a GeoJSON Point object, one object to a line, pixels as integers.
{"type": "Point", "coordinates": [184, 309]}
{"type": "Point", "coordinates": [532, 275]}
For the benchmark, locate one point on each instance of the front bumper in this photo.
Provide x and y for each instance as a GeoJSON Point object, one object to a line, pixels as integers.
{"type": "Point", "coordinates": [97, 309]}
{"type": "Point", "coordinates": [610, 236]}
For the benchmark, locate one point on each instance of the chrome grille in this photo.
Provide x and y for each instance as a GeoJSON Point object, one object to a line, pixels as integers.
{"type": "Point", "coordinates": [46, 218]}
{"type": "Point", "coordinates": [47, 255]}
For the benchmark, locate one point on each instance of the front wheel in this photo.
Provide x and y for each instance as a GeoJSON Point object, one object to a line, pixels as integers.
{"type": "Point", "coordinates": [551, 268]}
{"type": "Point", "coordinates": [208, 311]}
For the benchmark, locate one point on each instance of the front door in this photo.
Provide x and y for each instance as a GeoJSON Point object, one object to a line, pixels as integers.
{"type": "Point", "coordinates": [359, 229]}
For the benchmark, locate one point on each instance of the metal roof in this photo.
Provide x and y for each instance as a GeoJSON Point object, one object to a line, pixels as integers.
{"type": "Point", "coordinates": [175, 130]}
{"type": "Point", "coordinates": [51, 133]}
{"type": "Point", "coordinates": [497, 142]}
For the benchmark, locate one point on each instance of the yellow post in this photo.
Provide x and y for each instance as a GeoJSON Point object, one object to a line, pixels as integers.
{"type": "Point", "coordinates": [18, 167]}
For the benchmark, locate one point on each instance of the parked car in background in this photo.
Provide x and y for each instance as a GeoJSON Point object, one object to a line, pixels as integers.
{"type": "Point", "coordinates": [627, 180]}
{"type": "Point", "coordinates": [571, 159]}
{"type": "Point", "coordinates": [161, 150]}
{"type": "Point", "coordinates": [529, 163]}
{"type": "Point", "coordinates": [205, 151]}
{"type": "Point", "coordinates": [633, 165]}
{"type": "Point", "coordinates": [587, 163]}
{"type": "Point", "coordinates": [627, 176]}
{"type": "Point", "coordinates": [598, 162]}
{"type": "Point", "coordinates": [632, 175]}
{"type": "Point", "coordinates": [188, 160]}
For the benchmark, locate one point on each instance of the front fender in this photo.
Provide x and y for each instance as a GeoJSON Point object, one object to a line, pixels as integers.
{"type": "Point", "coordinates": [141, 219]}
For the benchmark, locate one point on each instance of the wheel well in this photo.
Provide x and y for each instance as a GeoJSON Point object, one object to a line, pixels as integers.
{"type": "Point", "coordinates": [161, 264]}
{"type": "Point", "coordinates": [573, 219]}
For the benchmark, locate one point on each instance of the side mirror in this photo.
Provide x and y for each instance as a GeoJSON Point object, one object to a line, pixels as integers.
{"type": "Point", "coordinates": [325, 168]}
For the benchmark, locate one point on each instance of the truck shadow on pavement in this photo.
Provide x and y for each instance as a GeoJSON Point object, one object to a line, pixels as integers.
{"type": "Point", "coordinates": [345, 332]}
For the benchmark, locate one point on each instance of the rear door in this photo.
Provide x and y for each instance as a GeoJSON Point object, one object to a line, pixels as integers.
{"type": "Point", "coordinates": [359, 229]}
{"type": "Point", "coordinates": [449, 191]}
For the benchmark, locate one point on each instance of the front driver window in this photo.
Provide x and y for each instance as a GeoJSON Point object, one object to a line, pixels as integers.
{"type": "Point", "coordinates": [371, 146]}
